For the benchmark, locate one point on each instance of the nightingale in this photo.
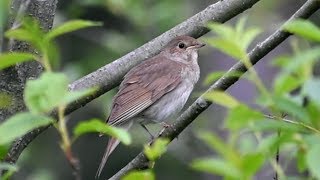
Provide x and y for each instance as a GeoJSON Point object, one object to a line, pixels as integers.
{"type": "Point", "coordinates": [156, 89]}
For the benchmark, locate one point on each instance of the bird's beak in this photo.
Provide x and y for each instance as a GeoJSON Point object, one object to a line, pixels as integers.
{"type": "Point", "coordinates": [196, 46]}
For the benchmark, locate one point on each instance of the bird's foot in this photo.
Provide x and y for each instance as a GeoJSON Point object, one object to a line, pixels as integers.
{"type": "Point", "coordinates": [165, 125]}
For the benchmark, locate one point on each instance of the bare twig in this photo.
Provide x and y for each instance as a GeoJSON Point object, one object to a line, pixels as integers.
{"type": "Point", "coordinates": [110, 75]}
{"type": "Point", "coordinates": [223, 83]}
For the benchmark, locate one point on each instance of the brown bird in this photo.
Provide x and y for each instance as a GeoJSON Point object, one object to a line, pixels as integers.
{"type": "Point", "coordinates": [156, 89]}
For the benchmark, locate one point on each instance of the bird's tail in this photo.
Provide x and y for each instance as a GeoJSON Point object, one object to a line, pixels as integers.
{"type": "Point", "coordinates": [112, 144]}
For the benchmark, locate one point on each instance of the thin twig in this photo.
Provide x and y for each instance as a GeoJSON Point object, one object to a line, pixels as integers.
{"type": "Point", "coordinates": [223, 83]}
{"type": "Point", "coordinates": [294, 122]}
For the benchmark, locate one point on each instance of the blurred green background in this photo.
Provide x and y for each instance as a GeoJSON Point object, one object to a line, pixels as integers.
{"type": "Point", "coordinates": [128, 24]}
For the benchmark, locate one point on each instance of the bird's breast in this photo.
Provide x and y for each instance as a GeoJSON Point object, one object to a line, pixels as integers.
{"type": "Point", "coordinates": [168, 105]}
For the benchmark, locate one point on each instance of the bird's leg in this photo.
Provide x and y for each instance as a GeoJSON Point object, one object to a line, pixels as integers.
{"type": "Point", "coordinates": [166, 125]}
{"type": "Point", "coordinates": [145, 128]}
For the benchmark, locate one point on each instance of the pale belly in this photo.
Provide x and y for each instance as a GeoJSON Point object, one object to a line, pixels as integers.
{"type": "Point", "coordinates": [169, 105]}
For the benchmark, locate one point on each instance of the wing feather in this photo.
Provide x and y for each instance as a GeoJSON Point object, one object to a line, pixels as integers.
{"type": "Point", "coordinates": [142, 86]}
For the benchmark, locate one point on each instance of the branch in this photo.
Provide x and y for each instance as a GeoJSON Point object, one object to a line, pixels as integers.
{"type": "Point", "coordinates": [110, 75]}
{"type": "Point", "coordinates": [187, 117]}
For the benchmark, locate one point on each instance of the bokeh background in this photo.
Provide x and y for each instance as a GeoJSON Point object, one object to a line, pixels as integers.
{"type": "Point", "coordinates": [128, 24]}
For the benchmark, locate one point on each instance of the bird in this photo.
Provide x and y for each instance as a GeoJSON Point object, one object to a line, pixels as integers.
{"type": "Point", "coordinates": [155, 89]}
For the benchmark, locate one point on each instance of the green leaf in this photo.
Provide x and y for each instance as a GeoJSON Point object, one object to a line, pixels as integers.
{"type": "Point", "coordinates": [221, 29]}
{"type": "Point", "coordinates": [301, 160]}
{"type": "Point", "coordinates": [303, 28]}
{"type": "Point", "coordinates": [311, 88]}
{"type": "Point", "coordinates": [156, 149]}
{"type": "Point", "coordinates": [302, 59]}
{"type": "Point", "coordinates": [217, 144]}
{"type": "Point", "coordinates": [95, 125]}
{"type": "Point", "coordinates": [288, 105]}
{"type": "Point", "coordinates": [269, 144]}
{"type": "Point", "coordinates": [314, 113]}
{"type": "Point", "coordinates": [69, 27]}
{"type": "Point", "coordinates": [3, 151]}
{"type": "Point", "coordinates": [75, 95]}
{"type": "Point", "coordinates": [242, 116]}
{"type": "Point", "coordinates": [139, 175]}
{"type": "Point", "coordinates": [217, 166]}
{"type": "Point", "coordinates": [222, 98]}
{"type": "Point", "coordinates": [20, 124]}
{"type": "Point", "coordinates": [29, 31]}
{"type": "Point", "coordinates": [228, 47]}
{"type": "Point", "coordinates": [275, 125]}
{"type": "Point", "coordinates": [23, 35]}
{"type": "Point", "coordinates": [252, 163]}
{"type": "Point", "coordinates": [45, 93]}
{"type": "Point", "coordinates": [286, 83]}
{"type": "Point", "coordinates": [313, 159]}
{"type": "Point", "coordinates": [9, 59]}
{"type": "Point", "coordinates": [248, 37]}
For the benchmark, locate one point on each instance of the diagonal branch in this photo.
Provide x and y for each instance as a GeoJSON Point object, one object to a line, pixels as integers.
{"type": "Point", "coordinates": [110, 75]}
{"type": "Point", "coordinates": [187, 117]}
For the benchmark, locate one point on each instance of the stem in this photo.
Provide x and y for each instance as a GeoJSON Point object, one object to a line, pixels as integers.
{"type": "Point", "coordinates": [295, 122]}
{"type": "Point", "coordinates": [62, 128]}
{"type": "Point", "coordinates": [66, 143]}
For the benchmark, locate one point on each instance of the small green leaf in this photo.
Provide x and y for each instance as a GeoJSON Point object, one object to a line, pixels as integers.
{"type": "Point", "coordinates": [228, 47]}
{"type": "Point", "coordinates": [221, 29]}
{"type": "Point", "coordinates": [3, 151]}
{"type": "Point", "coordinates": [69, 27]}
{"type": "Point", "coordinates": [218, 145]}
{"type": "Point", "coordinates": [156, 149]}
{"type": "Point", "coordinates": [45, 93]}
{"type": "Point", "coordinates": [311, 88]}
{"type": "Point", "coordinates": [23, 35]}
{"type": "Point", "coordinates": [269, 145]}
{"type": "Point", "coordinates": [75, 95]}
{"type": "Point", "coordinates": [95, 125]}
{"type": "Point", "coordinates": [252, 163]}
{"type": "Point", "coordinates": [139, 175]}
{"type": "Point", "coordinates": [286, 83]}
{"type": "Point", "coordinates": [288, 105]}
{"type": "Point", "coordinates": [20, 124]}
{"type": "Point", "coordinates": [301, 161]}
{"type": "Point", "coordinates": [303, 28]}
{"type": "Point", "coordinates": [29, 31]}
{"type": "Point", "coordinates": [242, 116]}
{"type": "Point", "coordinates": [222, 98]}
{"type": "Point", "coordinates": [217, 166]}
{"type": "Point", "coordinates": [274, 125]}
{"type": "Point", "coordinates": [314, 113]}
{"type": "Point", "coordinates": [248, 36]}
{"type": "Point", "coordinates": [9, 59]}
{"type": "Point", "coordinates": [313, 159]}
{"type": "Point", "coordinates": [302, 59]}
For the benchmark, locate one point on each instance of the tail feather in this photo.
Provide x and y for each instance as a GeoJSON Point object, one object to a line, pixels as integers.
{"type": "Point", "coordinates": [112, 144]}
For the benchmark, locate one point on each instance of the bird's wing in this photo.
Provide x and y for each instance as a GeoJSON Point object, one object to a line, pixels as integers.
{"type": "Point", "coordinates": [142, 86]}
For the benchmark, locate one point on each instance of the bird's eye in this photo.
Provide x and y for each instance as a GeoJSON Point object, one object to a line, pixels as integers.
{"type": "Point", "coordinates": [181, 45]}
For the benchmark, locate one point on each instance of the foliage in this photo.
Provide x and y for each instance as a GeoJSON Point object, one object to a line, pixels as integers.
{"type": "Point", "coordinates": [300, 131]}
{"type": "Point", "coordinates": [47, 94]}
